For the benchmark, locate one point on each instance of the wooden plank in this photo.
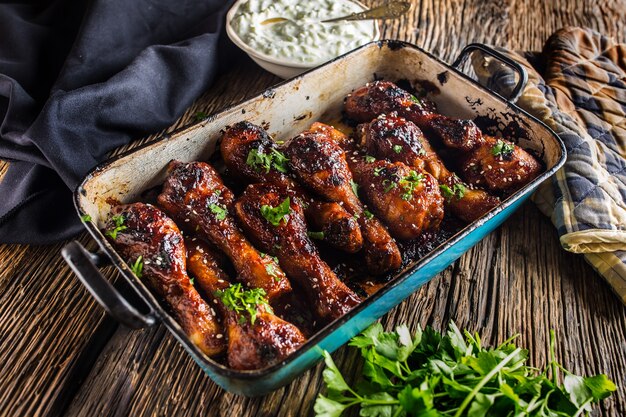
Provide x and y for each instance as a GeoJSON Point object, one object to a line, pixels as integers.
{"type": "Point", "coordinates": [517, 280]}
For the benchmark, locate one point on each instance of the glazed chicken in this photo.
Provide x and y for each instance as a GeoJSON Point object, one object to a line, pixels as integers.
{"type": "Point", "coordinates": [515, 168]}
{"type": "Point", "coordinates": [319, 162]}
{"type": "Point", "coordinates": [499, 165]}
{"type": "Point", "coordinates": [399, 140]}
{"type": "Point", "coordinates": [251, 154]}
{"type": "Point", "coordinates": [195, 196]}
{"type": "Point", "coordinates": [407, 200]}
{"type": "Point", "coordinates": [251, 345]}
{"type": "Point", "coordinates": [276, 222]}
{"type": "Point", "coordinates": [151, 243]}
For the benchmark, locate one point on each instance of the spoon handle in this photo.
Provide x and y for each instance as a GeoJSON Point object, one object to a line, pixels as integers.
{"type": "Point", "coordinates": [390, 10]}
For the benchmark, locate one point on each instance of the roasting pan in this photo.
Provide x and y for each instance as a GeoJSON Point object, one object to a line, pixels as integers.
{"type": "Point", "coordinates": [285, 110]}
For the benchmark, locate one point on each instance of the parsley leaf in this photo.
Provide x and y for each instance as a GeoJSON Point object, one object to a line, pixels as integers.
{"type": "Point", "coordinates": [369, 159]}
{"type": "Point", "coordinates": [502, 148]}
{"type": "Point", "coordinates": [191, 280]}
{"type": "Point", "coordinates": [200, 115]}
{"type": "Point", "coordinates": [241, 301]}
{"type": "Point", "coordinates": [137, 267]}
{"type": "Point", "coordinates": [85, 218]}
{"type": "Point", "coordinates": [118, 221]}
{"type": "Point", "coordinates": [219, 211]}
{"type": "Point", "coordinates": [457, 190]}
{"type": "Point", "coordinates": [429, 374]}
{"type": "Point", "coordinates": [275, 214]}
{"type": "Point", "coordinates": [409, 184]}
{"type": "Point", "coordinates": [368, 214]}
{"type": "Point", "coordinates": [355, 187]}
{"type": "Point", "coordinates": [266, 161]}
{"type": "Point", "coordinates": [397, 148]}
{"type": "Point", "coordinates": [271, 266]}
{"type": "Point", "coordinates": [315, 235]}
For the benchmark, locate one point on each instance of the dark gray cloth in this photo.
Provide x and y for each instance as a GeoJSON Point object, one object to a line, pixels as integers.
{"type": "Point", "coordinates": [78, 79]}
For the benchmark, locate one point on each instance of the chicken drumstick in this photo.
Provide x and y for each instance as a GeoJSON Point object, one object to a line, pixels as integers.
{"type": "Point", "coordinates": [195, 196]}
{"type": "Point", "coordinates": [276, 221]}
{"type": "Point", "coordinates": [151, 242]}
{"type": "Point", "coordinates": [256, 337]}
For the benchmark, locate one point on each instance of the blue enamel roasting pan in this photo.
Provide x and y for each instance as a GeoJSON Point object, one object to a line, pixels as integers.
{"type": "Point", "coordinates": [287, 109]}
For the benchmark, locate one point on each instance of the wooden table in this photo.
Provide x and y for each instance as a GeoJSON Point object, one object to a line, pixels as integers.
{"type": "Point", "coordinates": [60, 354]}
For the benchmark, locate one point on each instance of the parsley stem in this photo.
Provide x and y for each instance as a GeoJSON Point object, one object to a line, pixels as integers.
{"type": "Point", "coordinates": [582, 407]}
{"type": "Point", "coordinates": [555, 377]}
{"type": "Point", "coordinates": [484, 381]}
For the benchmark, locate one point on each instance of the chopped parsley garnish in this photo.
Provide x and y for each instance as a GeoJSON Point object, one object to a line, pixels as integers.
{"type": "Point", "coordinates": [432, 374]}
{"type": "Point", "coordinates": [390, 185]}
{"type": "Point", "coordinates": [397, 148]}
{"type": "Point", "coordinates": [85, 218]}
{"type": "Point", "coordinates": [200, 115]}
{"type": "Point", "coordinates": [368, 214]}
{"type": "Point", "coordinates": [272, 267]}
{"type": "Point", "coordinates": [137, 267]}
{"type": "Point", "coordinates": [502, 148]}
{"type": "Point", "coordinates": [377, 171]}
{"type": "Point", "coordinates": [316, 235]}
{"type": "Point", "coordinates": [415, 99]}
{"type": "Point", "coordinates": [355, 187]}
{"type": "Point", "coordinates": [275, 214]}
{"type": "Point", "coordinates": [262, 161]}
{"type": "Point", "coordinates": [191, 280]}
{"type": "Point", "coordinates": [409, 184]}
{"type": "Point", "coordinates": [457, 190]}
{"type": "Point", "coordinates": [241, 301]}
{"type": "Point", "coordinates": [219, 211]}
{"type": "Point", "coordinates": [119, 226]}
{"type": "Point", "coordinates": [369, 159]}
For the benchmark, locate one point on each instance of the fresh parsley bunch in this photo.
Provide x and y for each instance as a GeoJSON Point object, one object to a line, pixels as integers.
{"type": "Point", "coordinates": [430, 374]}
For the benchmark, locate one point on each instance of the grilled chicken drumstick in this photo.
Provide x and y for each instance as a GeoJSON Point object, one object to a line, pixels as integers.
{"type": "Point", "coordinates": [251, 154]}
{"type": "Point", "coordinates": [320, 163]}
{"type": "Point", "coordinates": [276, 222]}
{"type": "Point", "coordinates": [513, 168]}
{"type": "Point", "coordinates": [399, 140]}
{"type": "Point", "coordinates": [499, 165]}
{"type": "Point", "coordinates": [256, 337]}
{"type": "Point", "coordinates": [151, 242]}
{"type": "Point", "coordinates": [195, 196]}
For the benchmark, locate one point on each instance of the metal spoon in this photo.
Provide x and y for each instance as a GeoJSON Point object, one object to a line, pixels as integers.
{"type": "Point", "coordinates": [391, 10]}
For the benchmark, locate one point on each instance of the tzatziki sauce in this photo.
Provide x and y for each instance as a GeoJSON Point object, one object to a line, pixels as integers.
{"type": "Point", "coordinates": [292, 31]}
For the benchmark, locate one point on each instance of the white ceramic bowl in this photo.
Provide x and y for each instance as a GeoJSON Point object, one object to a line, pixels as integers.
{"type": "Point", "coordinates": [277, 66]}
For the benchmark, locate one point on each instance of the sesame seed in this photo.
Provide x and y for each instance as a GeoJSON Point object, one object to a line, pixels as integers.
{"type": "Point", "coordinates": [219, 336]}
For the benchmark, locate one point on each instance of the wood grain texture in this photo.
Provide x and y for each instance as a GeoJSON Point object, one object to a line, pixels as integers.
{"type": "Point", "coordinates": [59, 354]}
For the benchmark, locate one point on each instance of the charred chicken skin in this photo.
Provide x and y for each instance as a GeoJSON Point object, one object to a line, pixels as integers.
{"type": "Point", "coordinates": [399, 140]}
{"type": "Point", "coordinates": [194, 195]}
{"type": "Point", "coordinates": [319, 162]}
{"type": "Point", "coordinates": [276, 222]}
{"type": "Point", "coordinates": [151, 242]}
{"type": "Point", "coordinates": [252, 343]}
{"type": "Point", "coordinates": [463, 136]}
{"type": "Point", "coordinates": [251, 154]}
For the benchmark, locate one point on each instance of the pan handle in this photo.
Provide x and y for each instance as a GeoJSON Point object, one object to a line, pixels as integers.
{"type": "Point", "coordinates": [85, 266]}
{"type": "Point", "coordinates": [512, 64]}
